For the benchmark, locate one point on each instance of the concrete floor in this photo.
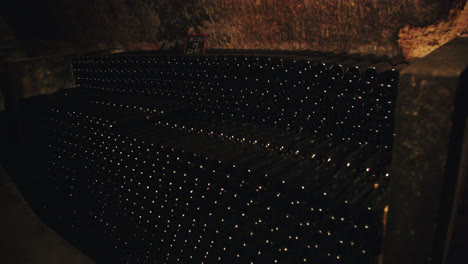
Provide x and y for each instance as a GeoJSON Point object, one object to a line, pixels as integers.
{"type": "Point", "coordinates": [24, 238]}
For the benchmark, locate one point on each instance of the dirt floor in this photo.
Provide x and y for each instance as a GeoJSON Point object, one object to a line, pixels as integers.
{"type": "Point", "coordinates": [25, 238]}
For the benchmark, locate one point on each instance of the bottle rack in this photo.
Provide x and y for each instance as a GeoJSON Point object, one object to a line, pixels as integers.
{"type": "Point", "coordinates": [230, 158]}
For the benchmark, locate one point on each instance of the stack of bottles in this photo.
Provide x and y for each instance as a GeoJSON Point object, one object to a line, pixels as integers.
{"type": "Point", "coordinates": [280, 157]}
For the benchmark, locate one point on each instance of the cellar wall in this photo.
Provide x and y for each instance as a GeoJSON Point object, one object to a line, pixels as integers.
{"type": "Point", "coordinates": [365, 26]}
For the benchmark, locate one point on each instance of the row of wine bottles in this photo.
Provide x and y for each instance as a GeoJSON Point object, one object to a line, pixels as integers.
{"type": "Point", "coordinates": [282, 92]}
{"type": "Point", "coordinates": [267, 158]}
{"type": "Point", "coordinates": [164, 192]}
{"type": "Point", "coordinates": [109, 72]}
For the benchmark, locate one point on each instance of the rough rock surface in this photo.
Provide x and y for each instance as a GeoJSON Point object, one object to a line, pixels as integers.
{"type": "Point", "coordinates": [420, 41]}
{"type": "Point", "coordinates": [366, 26]}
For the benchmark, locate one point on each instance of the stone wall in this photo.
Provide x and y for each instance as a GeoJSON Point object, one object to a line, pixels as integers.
{"type": "Point", "coordinates": [366, 26]}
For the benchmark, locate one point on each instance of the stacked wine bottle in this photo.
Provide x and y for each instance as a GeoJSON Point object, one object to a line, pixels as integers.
{"type": "Point", "coordinates": [271, 157]}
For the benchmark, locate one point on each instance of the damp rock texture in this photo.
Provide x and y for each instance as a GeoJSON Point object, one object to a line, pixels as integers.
{"type": "Point", "coordinates": [365, 26]}
{"type": "Point", "coordinates": [417, 42]}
